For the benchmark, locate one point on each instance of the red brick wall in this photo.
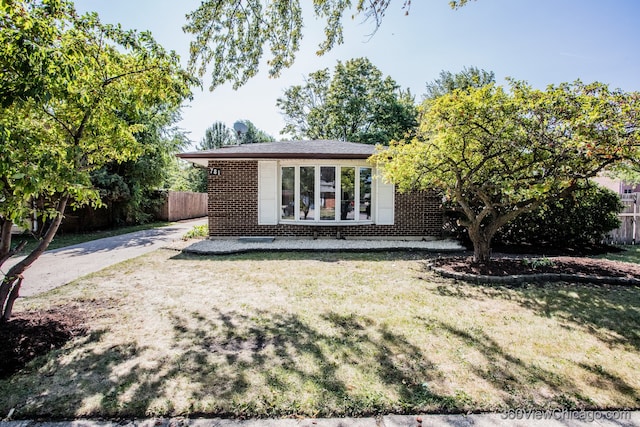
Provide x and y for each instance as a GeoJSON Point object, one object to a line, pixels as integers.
{"type": "Point", "coordinates": [233, 210]}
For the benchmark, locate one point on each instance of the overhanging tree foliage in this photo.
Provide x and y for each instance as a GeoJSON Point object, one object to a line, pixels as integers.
{"type": "Point", "coordinates": [357, 103]}
{"type": "Point", "coordinates": [27, 57]}
{"type": "Point", "coordinates": [232, 35]}
{"type": "Point", "coordinates": [94, 78]}
{"type": "Point", "coordinates": [495, 154]}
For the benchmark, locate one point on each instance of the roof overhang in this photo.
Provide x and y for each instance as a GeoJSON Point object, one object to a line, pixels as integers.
{"type": "Point", "coordinates": [316, 150]}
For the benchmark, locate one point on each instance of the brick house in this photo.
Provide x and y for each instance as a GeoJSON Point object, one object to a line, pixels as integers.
{"type": "Point", "coordinates": [310, 189]}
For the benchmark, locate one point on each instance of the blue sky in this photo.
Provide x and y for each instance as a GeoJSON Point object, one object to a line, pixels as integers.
{"type": "Point", "coordinates": [539, 41]}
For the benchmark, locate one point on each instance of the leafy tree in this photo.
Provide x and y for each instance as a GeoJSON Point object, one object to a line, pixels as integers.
{"type": "Point", "coordinates": [303, 107]}
{"type": "Point", "coordinates": [180, 176]}
{"type": "Point", "coordinates": [448, 82]}
{"type": "Point", "coordinates": [75, 120]}
{"type": "Point", "coordinates": [253, 135]}
{"type": "Point", "coordinates": [355, 104]}
{"type": "Point", "coordinates": [27, 36]}
{"type": "Point", "coordinates": [232, 34]}
{"type": "Point", "coordinates": [216, 136]}
{"type": "Point", "coordinates": [628, 172]}
{"type": "Point", "coordinates": [496, 154]}
{"type": "Point", "coordinates": [129, 189]}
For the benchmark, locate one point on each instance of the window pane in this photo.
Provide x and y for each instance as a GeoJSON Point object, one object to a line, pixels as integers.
{"type": "Point", "coordinates": [307, 192]}
{"type": "Point", "coordinates": [328, 192]}
{"type": "Point", "coordinates": [288, 193]}
{"type": "Point", "coordinates": [365, 193]}
{"type": "Point", "coordinates": [347, 182]}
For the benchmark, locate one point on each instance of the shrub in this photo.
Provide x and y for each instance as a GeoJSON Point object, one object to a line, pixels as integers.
{"type": "Point", "coordinates": [582, 219]}
{"type": "Point", "coordinates": [198, 231]}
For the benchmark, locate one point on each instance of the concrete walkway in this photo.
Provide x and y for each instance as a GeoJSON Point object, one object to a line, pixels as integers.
{"type": "Point", "coordinates": [258, 244]}
{"type": "Point", "coordinates": [513, 418]}
{"type": "Point", "coordinates": [61, 266]}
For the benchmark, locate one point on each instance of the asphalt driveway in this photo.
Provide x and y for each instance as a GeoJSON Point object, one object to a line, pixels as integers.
{"type": "Point", "coordinates": [61, 266]}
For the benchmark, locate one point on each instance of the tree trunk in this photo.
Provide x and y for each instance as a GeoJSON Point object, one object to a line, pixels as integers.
{"type": "Point", "coordinates": [5, 238]}
{"type": "Point", "coordinates": [10, 287]}
{"type": "Point", "coordinates": [481, 245]}
{"type": "Point", "coordinates": [5, 242]}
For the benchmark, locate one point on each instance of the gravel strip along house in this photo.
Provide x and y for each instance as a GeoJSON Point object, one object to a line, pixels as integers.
{"type": "Point", "coordinates": [310, 189]}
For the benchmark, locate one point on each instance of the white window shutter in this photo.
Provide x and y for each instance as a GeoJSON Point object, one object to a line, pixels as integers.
{"type": "Point", "coordinates": [384, 202]}
{"type": "Point", "coordinates": [267, 192]}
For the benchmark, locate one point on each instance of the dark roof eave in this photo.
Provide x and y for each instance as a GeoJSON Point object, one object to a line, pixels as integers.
{"type": "Point", "coordinates": [272, 156]}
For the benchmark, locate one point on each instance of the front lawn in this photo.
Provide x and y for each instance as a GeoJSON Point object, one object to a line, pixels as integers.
{"type": "Point", "coordinates": [286, 334]}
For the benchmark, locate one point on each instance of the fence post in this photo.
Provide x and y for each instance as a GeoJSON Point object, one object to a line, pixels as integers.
{"type": "Point", "coordinates": [634, 219]}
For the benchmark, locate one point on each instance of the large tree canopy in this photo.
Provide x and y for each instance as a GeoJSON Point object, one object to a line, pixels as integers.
{"type": "Point", "coordinates": [84, 112]}
{"type": "Point", "coordinates": [448, 82]}
{"type": "Point", "coordinates": [355, 104]}
{"type": "Point", "coordinates": [232, 35]}
{"type": "Point", "coordinates": [495, 154]}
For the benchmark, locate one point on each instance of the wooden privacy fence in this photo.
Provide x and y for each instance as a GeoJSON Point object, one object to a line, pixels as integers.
{"type": "Point", "coordinates": [629, 231]}
{"type": "Point", "coordinates": [183, 205]}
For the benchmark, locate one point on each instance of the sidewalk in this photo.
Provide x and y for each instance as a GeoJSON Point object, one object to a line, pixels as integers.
{"type": "Point", "coordinates": [60, 266]}
{"type": "Point", "coordinates": [522, 419]}
{"type": "Point", "coordinates": [259, 244]}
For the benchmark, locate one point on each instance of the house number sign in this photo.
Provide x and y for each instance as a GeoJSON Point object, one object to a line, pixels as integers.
{"type": "Point", "coordinates": [215, 171]}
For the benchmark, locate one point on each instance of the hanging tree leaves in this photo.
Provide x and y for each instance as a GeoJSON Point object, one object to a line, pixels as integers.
{"type": "Point", "coordinates": [232, 35]}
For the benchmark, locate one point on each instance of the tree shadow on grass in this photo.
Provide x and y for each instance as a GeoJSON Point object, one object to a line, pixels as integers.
{"type": "Point", "coordinates": [270, 359]}
{"type": "Point", "coordinates": [233, 364]}
{"type": "Point", "coordinates": [526, 385]}
{"type": "Point", "coordinates": [510, 374]}
{"type": "Point", "coordinates": [609, 312]}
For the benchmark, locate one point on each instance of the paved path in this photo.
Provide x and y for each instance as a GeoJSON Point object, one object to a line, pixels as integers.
{"type": "Point", "coordinates": [523, 419]}
{"type": "Point", "coordinates": [231, 246]}
{"type": "Point", "coordinates": [61, 266]}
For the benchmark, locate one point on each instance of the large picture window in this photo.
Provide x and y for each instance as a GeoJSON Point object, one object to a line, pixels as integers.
{"type": "Point", "coordinates": [326, 193]}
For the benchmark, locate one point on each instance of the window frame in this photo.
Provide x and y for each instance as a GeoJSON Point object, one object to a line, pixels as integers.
{"type": "Point", "coordinates": [337, 165]}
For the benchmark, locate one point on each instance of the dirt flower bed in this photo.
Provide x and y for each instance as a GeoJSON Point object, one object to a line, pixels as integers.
{"type": "Point", "coordinates": [30, 334]}
{"type": "Point", "coordinates": [507, 266]}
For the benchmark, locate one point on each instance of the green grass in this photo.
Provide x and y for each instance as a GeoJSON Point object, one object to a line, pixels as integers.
{"type": "Point", "coordinates": [289, 334]}
{"type": "Point", "coordinates": [62, 240]}
{"type": "Point", "coordinates": [629, 253]}
{"type": "Point", "coordinates": [197, 232]}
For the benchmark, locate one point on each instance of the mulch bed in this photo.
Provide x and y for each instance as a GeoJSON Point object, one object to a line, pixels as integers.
{"type": "Point", "coordinates": [30, 334]}
{"type": "Point", "coordinates": [509, 266]}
